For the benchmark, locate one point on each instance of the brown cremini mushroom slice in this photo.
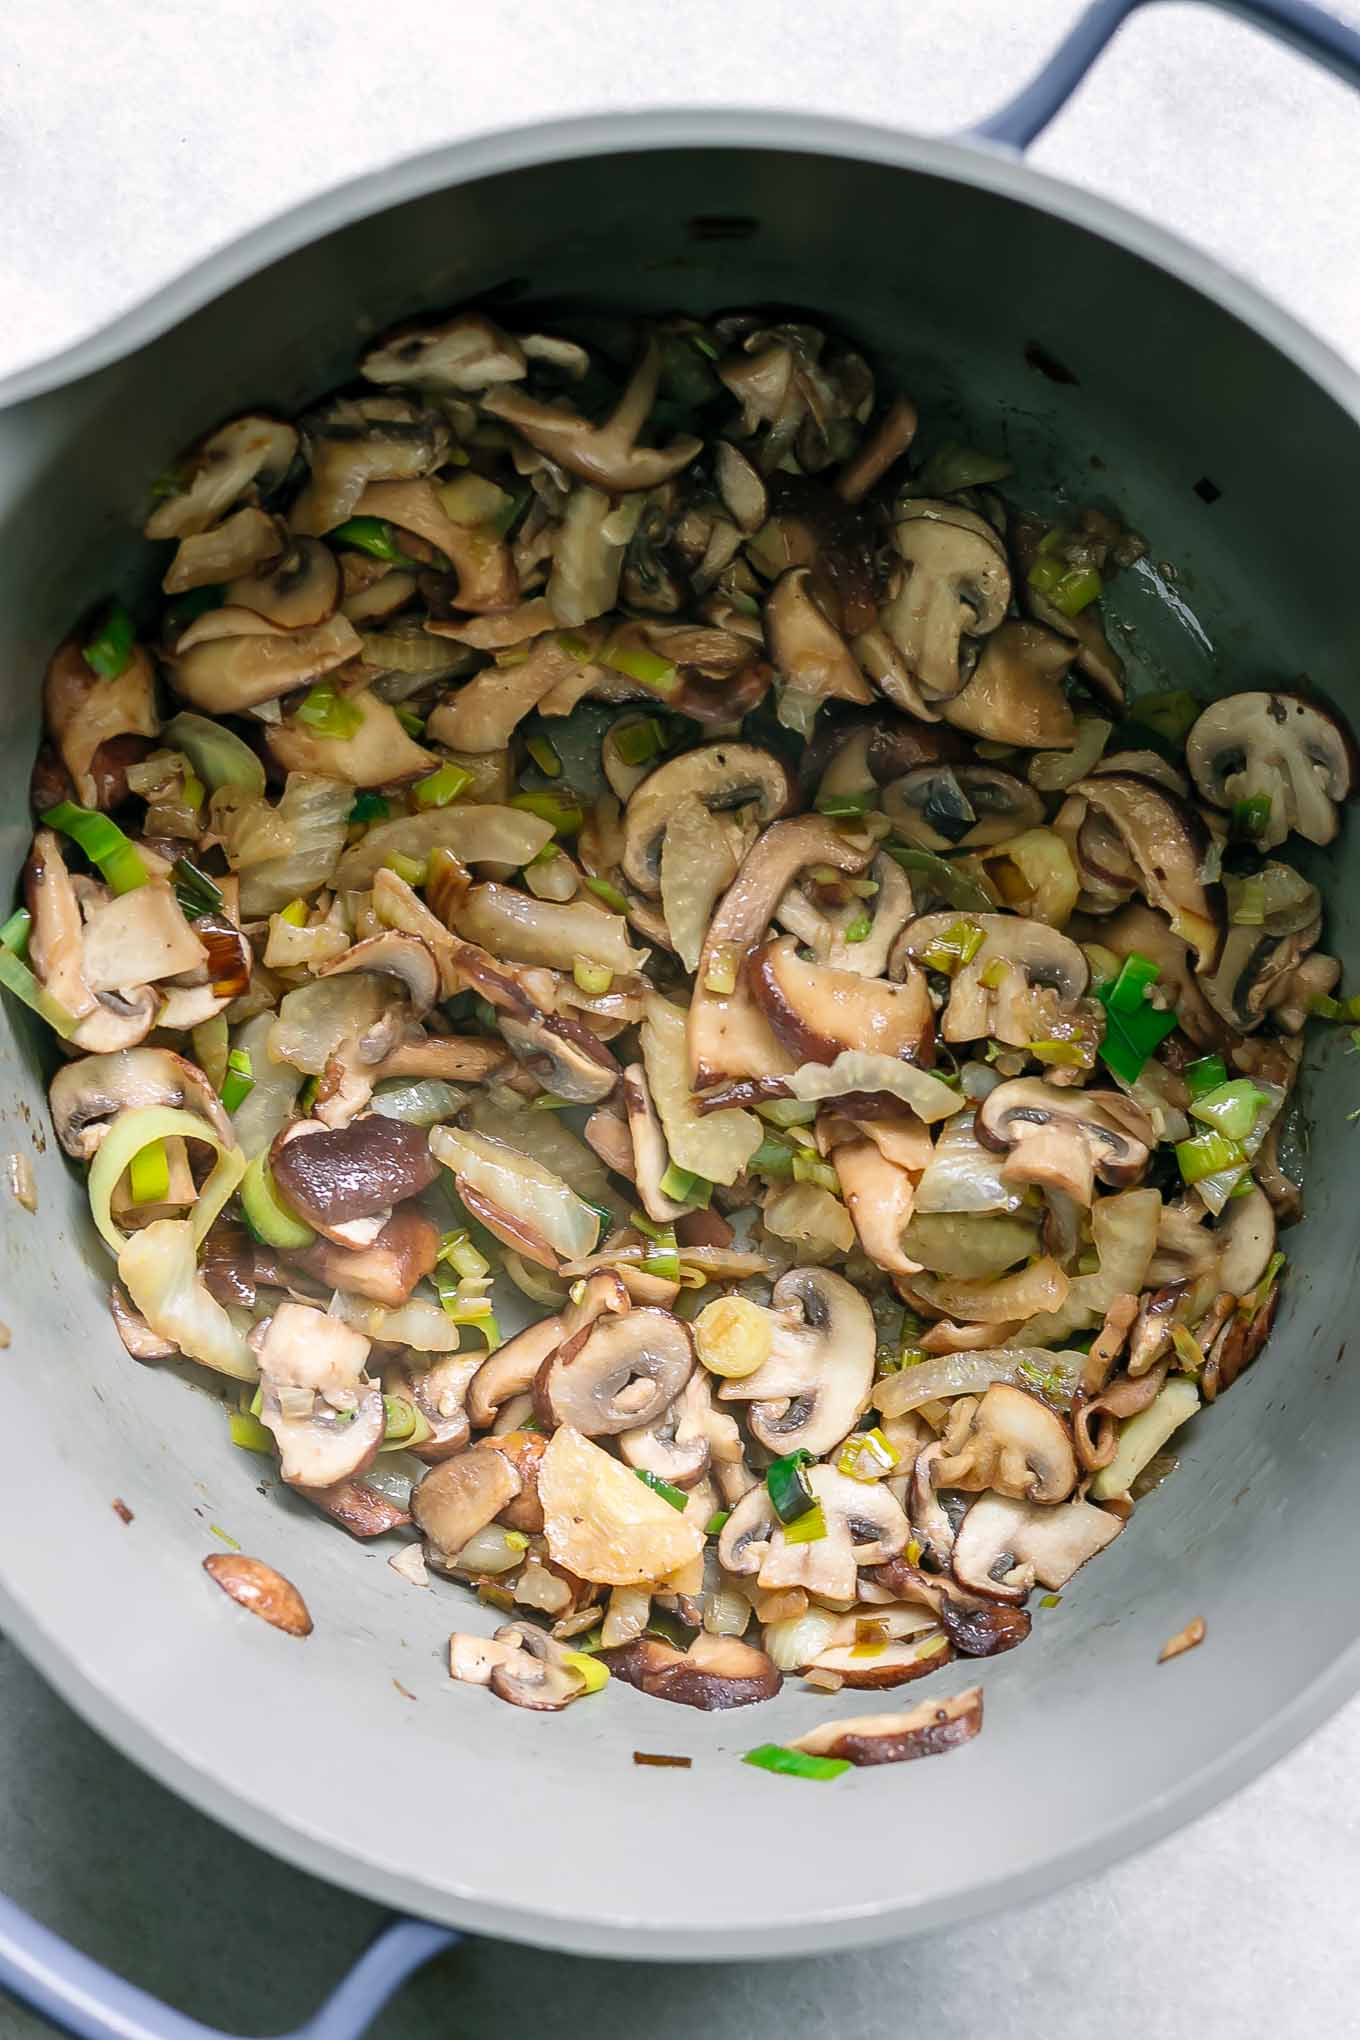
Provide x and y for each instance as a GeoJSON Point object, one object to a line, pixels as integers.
{"type": "Point", "coordinates": [1003, 1546]}
{"type": "Point", "coordinates": [816, 1012]}
{"type": "Point", "coordinates": [251, 451]}
{"type": "Point", "coordinates": [807, 649]}
{"type": "Point", "coordinates": [1295, 755]}
{"type": "Point", "coordinates": [930, 1730]}
{"type": "Point", "coordinates": [344, 1181]}
{"type": "Point", "coordinates": [483, 565]}
{"type": "Point", "coordinates": [890, 438]}
{"type": "Point", "coordinates": [976, 1627]}
{"type": "Point", "coordinates": [716, 1672]}
{"type": "Point", "coordinates": [836, 935]}
{"type": "Point", "coordinates": [438, 1393]}
{"type": "Point", "coordinates": [1014, 694]}
{"type": "Point", "coordinates": [465, 353]}
{"type": "Point", "coordinates": [254, 1585]}
{"type": "Point", "coordinates": [605, 1525]}
{"type": "Point", "coordinates": [1246, 1239]}
{"type": "Point", "coordinates": [947, 807]}
{"type": "Point", "coordinates": [326, 1415]}
{"type": "Point", "coordinates": [396, 955]}
{"type": "Point", "coordinates": [723, 776]}
{"type": "Point", "coordinates": [226, 672]}
{"type": "Point", "coordinates": [84, 710]}
{"type": "Point", "coordinates": [1021, 984]}
{"type": "Point", "coordinates": [511, 1369]}
{"type": "Point", "coordinates": [957, 583]}
{"type": "Point", "coordinates": [539, 1674]}
{"type": "Point", "coordinates": [299, 588]}
{"type": "Point", "coordinates": [607, 454]}
{"type": "Point", "coordinates": [379, 753]}
{"type": "Point", "coordinates": [864, 1525]}
{"type": "Point", "coordinates": [212, 558]}
{"type": "Point", "coordinates": [617, 1374]}
{"type": "Point", "coordinates": [87, 1095]}
{"type": "Point", "coordinates": [1170, 846]}
{"type": "Point", "coordinates": [355, 442]}
{"type": "Point", "coordinates": [358, 1507]}
{"type": "Point", "coordinates": [877, 1659]}
{"type": "Point", "coordinates": [1016, 1445]}
{"type": "Point", "coordinates": [1065, 1139]}
{"type": "Point", "coordinates": [816, 1381]}
{"type": "Point", "coordinates": [387, 1272]}
{"type": "Point", "coordinates": [458, 1497]}
{"type": "Point", "coordinates": [679, 1444]}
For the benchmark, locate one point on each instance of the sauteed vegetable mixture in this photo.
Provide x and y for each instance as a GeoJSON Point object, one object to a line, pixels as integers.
{"type": "Point", "coordinates": [600, 825]}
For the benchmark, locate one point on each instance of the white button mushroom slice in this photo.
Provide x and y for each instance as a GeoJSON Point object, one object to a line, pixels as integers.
{"type": "Point", "coordinates": [877, 1666]}
{"type": "Point", "coordinates": [473, 1658]}
{"type": "Point", "coordinates": [618, 1374]}
{"type": "Point", "coordinates": [1296, 754]}
{"type": "Point", "coordinates": [818, 1012]}
{"type": "Point", "coordinates": [1015, 694]}
{"type": "Point", "coordinates": [393, 954]}
{"type": "Point", "coordinates": [86, 1095]}
{"type": "Point", "coordinates": [251, 450]}
{"type": "Point", "coordinates": [215, 557]}
{"type": "Point", "coordinates": [604, 1524]}
{"type": "Point", "coordinates": [818, 1377]}
{"type": "Point", "coordinates": [83, 710]}
{"type": "Point", "coordinates": [1040, 976]}
{"type": "Point", "coordinates": [825, 929]}
{"type": "Point", "coordinates": [1170, 845]}
{"type": "Point", "coordinates": [464, 353]}
{"type": "Point", "coordinates": [539, 1674]}
{"type": "Point", "coordinates": [511, 1369]}
{"type": "Point", "coordinates": [679, 1444]}
{"type": "Point", "coordinates": [957, 582]}
{"type": "Point", "coordinates": [930, 1730]}
{"type": "Point", "coordinates": [247, 666]}
{"type": "Point", "coordinates": [604, 454]}
{"type": "Point", "coordinates": [1063, 1140]}
{"type": "Point", "coordinates": [1014, 1444]}
{"type": "Point", "coordinates": [864, 1526]}
{"type": "Point", "coordinates": [326, 1415]}
{"type": "Point", "coordinates": [299, 588]}
{"type": "Point", "coordinates": [723, 776]}
{"type": "Point", "coordinates": [1004, 1546]}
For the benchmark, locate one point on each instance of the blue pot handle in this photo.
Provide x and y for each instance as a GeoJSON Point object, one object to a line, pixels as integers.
{"type": "Point", "coordinates": [82, 1997]}
{"type": "Point", "coordinates": [1298, 22]}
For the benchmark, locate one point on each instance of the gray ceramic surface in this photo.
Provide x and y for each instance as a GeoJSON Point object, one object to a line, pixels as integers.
{"type": "Point", "coordinates": [297, 1744]}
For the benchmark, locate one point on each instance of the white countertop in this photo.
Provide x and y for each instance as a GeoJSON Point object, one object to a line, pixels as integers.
{"type": "Point", "coordinates": [135, 136]}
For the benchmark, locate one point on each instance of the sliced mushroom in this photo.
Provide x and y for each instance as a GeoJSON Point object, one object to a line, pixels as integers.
{"type": "Point", "coordinates": [722, 776]}
{"type": "Point", "coordinates": [1139, 931]}
{"type": "Point", "coordinates": [1015, 694]}
{"type": "Point", "coordinates": [865, 1525]}
{"type": "Point", "coordinates": [617, 1374]}
{"type": "Point", "coordinates": [882, 447]}
{"type": "Point", "coordinates": [360, 1508]}
{"type": "Point", "coordinates": [957, 583]}
{"type": "Point", "coordinates": [1004, 1546]}
{"type": "Point", "coordinates": [826, 931]}
{"type": "Point", "coordinates": [484, 713]}
{"type": "Point", "coordinates": [511, 1369]}
{"type": "Point", "coordinates": [879, 1196]}
{"type": "Point", "coordinates": [134, 1331]}
{"type": "Point", "coordinates": [240, 669]}
{"type": "Point", "coordinates": [298, 589]}
{"type": "Point", "coordinates": [1295, 754]}
{"type": "Point", "coordinates": [458, 1497]}
{"type": "Point", "coordinates": [464, 353]}
{"type": "Point", "coordinates": [716, 1672]}
{"type": "Point", "coordinates": [678, 1444]}
{"type": "Point", "coordinates": [354, 442]}
{"type": "Point", "coordinates": [1064, 1139]}
{"type": "Point", "coordinates": [216, 474]}
{"type": "Point", "coordinates": [387, 1272]}
{"type": "Point", "coordinates": [606, 454]}
{"type": "Point", "coordinates": [807, 649]}
{"type": "Point", "coordinates": [539, 1674]}
{"type": "Point", "coordinates": [881, 1659]}
{"type": "Point", "coordinates": [817, 1379]}
{"type": "Point", "coordinates": [1170, 846]}
{"type": "Point", "coordinates": [393, 954]}
{"type": "Point", "coordinates": [565, 1057]}
{"type": "Point", "coordinates": [88, 1094]}
{"type": "Point", "coordinates": [930, 1730]}
{"type": "Point", "coordinates": [483, 565]}
{"type": "Point", "coordinates": [438, 1394]}
{"type": "Point", "coordinates": [84, 710]}
{"type": "Point", "coordinates": [326, 1415]}
{"type": "Point", "coordinates": [817, 1012]}
{"type": "Point", "coordinates": [944, 807]}
{"type": "Point", "coordinates": [212, 558]}
{"type": "Point", "coordinates": [1022, 984]}
{"type": "Point", "coordinates": [741, 487]}
{"type": "Point", "coordinates": [339, 1180]}
{"type": "Point", "coordinates": [1016, 1445]}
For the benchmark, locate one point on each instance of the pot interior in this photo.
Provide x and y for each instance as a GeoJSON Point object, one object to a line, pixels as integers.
{"type": "Point", "coordinates": [1107, 381]}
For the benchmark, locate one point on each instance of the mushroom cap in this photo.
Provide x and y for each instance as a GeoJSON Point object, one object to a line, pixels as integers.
{"type": "Point", "coordinates": [617, 1374]}
{"type": "Point", "coordinates": [298, 589]}
{"type": "Point", "coordinates": [722, 776]}
{"type": "Point", "coordinates": [1048, 967]}
{"type": "Point", "coordinates": [87, 1095]}
{"type": "Point", "coordinates": [386, 1272]}
{"type": "Point", "coordinates": [1118, 1134]}
{"type": "Point", "coordinates": [398, 955]}
{"type": "Point", "coordinates": [1297, 753]}
{"type": "Point", "coordinates": [1014, 694]}
{"type": "Point", "coordinates": [1016, 1445]}
{"type": "Point", "coordinates": [566, 1058]}
{"type": "Point", "coordinates": [679, 1443]}
{"type": "Point", "coordinates": [332, 1176]}
{"type": "Point", "coordinates": [947, 807]}
{"type": "Point", "coordinates": [716, 1672]}
{"type": "Point", "coordinates": [925, 1731]}
{"type": "Point", "coordinates": [1246, 1233]}
{"type": "Point", "coordinates": [878, 1666]}
{"type": "Point", "coordinates": [1031, 1541]}
{"type": "Point", "coordinates": [816, 1382]}
{"type": "Point", "coordinates": [460, 1496]}
{"type": "Point", "coordinates": [467, 352]}
{"type": "Point", "coordinates": [958, 582]}
{"type": "Point", "coordinates": [823, 930]}
{"type": "Point", "coordinates": [1170, 846]}
{"type": "Point", "coordinates": [538, 1674]}
{"type": "Point", "coordinates": [83, 711]}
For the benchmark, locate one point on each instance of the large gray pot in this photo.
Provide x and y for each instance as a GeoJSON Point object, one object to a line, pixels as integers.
{"type": "Point", "coordinates": [947, 262]}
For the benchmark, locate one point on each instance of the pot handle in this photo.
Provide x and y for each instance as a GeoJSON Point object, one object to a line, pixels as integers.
{"type": "Point", "coordinates": [1023, 119]}
{"type": "Point", "coordinates": [82, 1997]}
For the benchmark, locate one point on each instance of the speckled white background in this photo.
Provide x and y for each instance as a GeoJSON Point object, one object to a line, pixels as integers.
{"type": "Point", "coordinates": [137, 135]}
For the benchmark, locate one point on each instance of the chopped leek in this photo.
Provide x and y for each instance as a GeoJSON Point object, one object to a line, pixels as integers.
{"type": "Point", "coordinates": [773, 1157]}
{"type": "Point", "coordinates": [1251, 817]}
{"type": "Point", "coordinates": [859, 929]}
{"type": "Point", "coordinates": [958, 945]}
{"type": "Point", "coordinates": [1205, 1154]}
{"type": "Point", "coordinates": [103, 843]}
{"type": "Point", "coordinates": [610, 894]}
{"type": "Point", "coordinates": [239, 1081]}
{"type": "Point", "coordinates": [733, 1337]}
{"type": "Point", "coordinates": [295, 913]}
{"type": "Point", "coordinates": [665, 1488]}
{"type": "Point", "coordinates": [131, 1131]}
{"type": "Point", "coordinates": [841, 806]}
{"type": "Point", "coordinates": [374, 536]}
{"type": "Point", "coordinates": [1172, 714]}
{"type": "Point", "coordinates": [953, 885]}
{"type": "Point", "coordinates": [1231, 1109]}
{"type": "Point", "coordinates": [266, 1214]}
{"type": "Point", "coordinates": [808, 1167]}
{"type": "Point", "coordinates": [249, 1433]}
{"type": "Point", "coordinates": [788, 1487]}
{"type": "Point", "coordinates": [107, 652]}
{"type": "Point", "coordinates": [594, 979]}
{"type": "Point", "coordinates": [370, 807]}
{"type": "Point", "coordinates": [329, 713]}
{"type": "Point", "coordinates": [638, 743]}
{"type": "Point", "coordinates": [441, 787]}
{"type": "Point", "coordinates": [16, 977]}
{"type": "Point", "coordinates": [414, 870]}
{"type": "Point", "coordinates": [590, 1669]}
{"type": "Point", "coordinates": [794, 1763]}
{"type": "Point", "coordinates": [1127, 993]}
{"type": "Point", "coordinates": [1059, 1055]}
{"type": "Point", "coordinates": [541, 750]}
{"type": "Point", "coordinates": [149, 1174]}
{"type": "Point", "coordinates": [637, 663]}
{"type": "Point", "coordinates": [413, 724]}
{"type": "Point", "coordinates": [15, 933]}
{"type": "Point", "coordinates": [713, 1527]}
{"type": "Point", "coordinates": [684, 1187]}
{"type": "Point", "coordinates": [560, 809]}
{"type": "Point", "coordinates": [809, 1528]}
{"type": "Point", "coordinates": [787, 1112]}
{"type": "Point", "coordinates": [196, 892]}
{"type": "Point", "coordinates": [721, 975]}
{"type": "Point", "coordinates": [1209, 1073]}
{"type": "Point", "coordinates": [457, 1251]}
{"type": "Point", "coordinates": [867, 1455]}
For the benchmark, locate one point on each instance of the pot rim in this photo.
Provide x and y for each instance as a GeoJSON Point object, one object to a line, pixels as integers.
{"type": "Point", "coordinates": [104, 1706]}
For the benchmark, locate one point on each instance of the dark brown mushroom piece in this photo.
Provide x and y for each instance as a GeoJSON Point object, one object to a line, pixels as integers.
{"type": "Point", "coordinates": [458, 1497]}
{"type": "Point", "coordinates": [386, 1272]}
{"type": "Point", "coordinates": [930, 1730]}
{"type": "Point", "coordinates": [818, 1012]}
{"type": "Point", "coordinates": [1170, 847]}
{"type": "Point", "coordinates": [1014, 694]}
{"type": "Point", "coordinates": [716, 1672]}
{"type": "Point", "coordinates": [333, 1177]}
{"type": "Point", "coordinates": [1293, 759]}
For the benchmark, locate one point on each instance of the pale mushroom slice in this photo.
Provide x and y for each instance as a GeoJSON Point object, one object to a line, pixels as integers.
{"type": "Point", "coordinates": [1024, 982]}
{"type": "Point", "coordinates": [957, 583]}
{"type": "Point", "coordinates": [1063, 1140]}
{"type": "Point", "coordinates": [1003, 1545]}
{"type": "Point", "coordinates": [1014, 694]}
{"type": "Point", "coordinates": [715, 1673]}
{"type": "Point", "coordinates": [398, 955]}
{"type": "Point", "coordinates": [253, 451]}
{"type": "Point", "coordinates": [212, 558]}
{"type": "Point", "coordinates": [680, 1443]}
{"type": "Point", "coordinates": [930, 1730]}
{"type": "Point", "coordinates": [1296, 756]}
{"type": "Point", "coordinates": [353, 442]}
{"type": "Point", "coordinates": [950, 807]}
{"type": "Point", "coordinates": [482, 562]}
{"type": "Point", "coordinates": [648, 1155]}
{"type": "Point", "coordinates": [234, 660]}
{"type": "Point", "coordinates": [836, 935]}
{"type": "Point", "coordinates": [864, 1525]}
{"type": "Point", "coordinates": [457, 1498]}
{"type": "Point", "coordinates": [723, 776]}
{"type": "Point", "coordinates": [87, 1095]}
{"type": "Point", "coordinates": [83, 710]}
{"type": "Point", "coordinates": [325, 1413]}
{"type": "Point", "coordinates": [1014, 1444]}
{"type": "Point", "coordinates": [607, 454]}
{"type": "Point", "coordinates": [617, 1374]}
{"type": "Point", "coordinates": [465, 353]}
{"type": "Point", "coordinates": [539, 1674]}
{"type": "Point", "coordinates": [818, 1378]}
